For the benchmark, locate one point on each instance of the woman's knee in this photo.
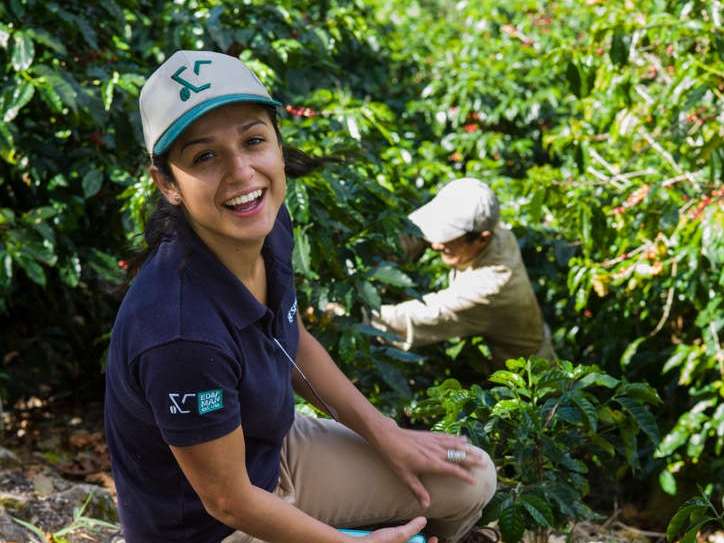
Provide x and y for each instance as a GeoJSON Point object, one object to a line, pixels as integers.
{"type": "Point", "coordinates": [456, 499]}
{"type": "Point", "coordinates": [477, 495]}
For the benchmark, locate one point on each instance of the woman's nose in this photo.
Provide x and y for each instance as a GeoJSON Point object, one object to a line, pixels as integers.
{"type": "Point", "coordinates": [240, 168]}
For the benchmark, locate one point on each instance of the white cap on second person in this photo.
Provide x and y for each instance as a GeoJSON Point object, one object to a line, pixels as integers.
{"type": "Point", "coordinates": [463, 205]}
{"type": "Point", "coordinates": [188, 85]}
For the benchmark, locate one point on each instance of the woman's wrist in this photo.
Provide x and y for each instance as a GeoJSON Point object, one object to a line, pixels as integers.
{"type": "Point", "coordinates": [384, 427]}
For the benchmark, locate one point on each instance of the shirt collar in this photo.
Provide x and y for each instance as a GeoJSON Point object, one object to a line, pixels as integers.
{"type": "Point", "coordinates": [227, 291]}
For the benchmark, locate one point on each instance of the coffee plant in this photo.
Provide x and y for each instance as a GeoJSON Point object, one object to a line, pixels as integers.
{"type": "Point", "coordinates": [546, 425]}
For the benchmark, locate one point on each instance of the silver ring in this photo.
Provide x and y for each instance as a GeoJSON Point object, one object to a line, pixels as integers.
{"type": "Point", "coordinates": [455, 456]}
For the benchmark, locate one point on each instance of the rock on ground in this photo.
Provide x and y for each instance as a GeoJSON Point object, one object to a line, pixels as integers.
{"type": "Point", "coordinates": [80, 512]}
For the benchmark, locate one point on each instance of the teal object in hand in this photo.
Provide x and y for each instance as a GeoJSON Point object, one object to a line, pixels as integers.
{"type": "Point", "coordinates": [419, 538]}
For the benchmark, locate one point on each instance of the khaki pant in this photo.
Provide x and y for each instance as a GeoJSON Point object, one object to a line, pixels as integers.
{"type": "Point", "coordinates": [332, 474]}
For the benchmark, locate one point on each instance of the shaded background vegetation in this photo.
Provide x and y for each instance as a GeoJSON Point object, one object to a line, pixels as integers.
{"type": "Point", "coordinates": [599, 124]}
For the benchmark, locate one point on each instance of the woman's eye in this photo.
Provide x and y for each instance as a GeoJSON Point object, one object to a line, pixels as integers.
{"type": "Point", "coordinates": [255, 140]}
{"type": "Point", "coordinates": [203, 157]}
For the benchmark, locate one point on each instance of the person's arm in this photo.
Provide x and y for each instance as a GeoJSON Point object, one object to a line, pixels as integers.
{"type": "Point", "coordinates": [446, 313]}
{"type": "Point", "coordinates": [409, 453]}
{"type": "Point", "coordinates": [216, 471]}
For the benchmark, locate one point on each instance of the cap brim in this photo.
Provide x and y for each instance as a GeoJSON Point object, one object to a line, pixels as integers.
{"type": "Point", "coordinates": [183, 122]}
{"type": "Point", "coordinates": [428, 219]}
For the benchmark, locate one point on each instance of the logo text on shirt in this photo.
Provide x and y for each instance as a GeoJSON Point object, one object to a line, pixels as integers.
{"type": "Point", "coordinates": [178, 403]}
{"type": "Point", "coordinates": [210, 400]}
{"type": "Point", "coordinates": [292, 312]}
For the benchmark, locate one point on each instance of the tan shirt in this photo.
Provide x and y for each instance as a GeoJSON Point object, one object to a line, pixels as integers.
{"type": "Point", "coordinates": [492, 298]}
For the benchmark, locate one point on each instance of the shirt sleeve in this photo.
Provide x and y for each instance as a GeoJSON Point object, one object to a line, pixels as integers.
{"type": "Point", "coordinates": [192, 390]}
{"type": "Point", "coordinates": [466, 307]}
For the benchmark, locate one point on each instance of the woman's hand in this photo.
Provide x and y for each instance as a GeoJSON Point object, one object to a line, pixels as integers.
{"type": "Point", "coordinates": [397, 534]}
{"type": "Point", "coordinates": [412, 453]}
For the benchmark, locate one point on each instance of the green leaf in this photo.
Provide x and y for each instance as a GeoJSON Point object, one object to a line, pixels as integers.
{"type": "Point", "coordinates": [508, 378]}
{"type": "Point", "coordinates": [92, 183]}
{"type": "Point", "coordinates": [602, 443]}
{"type": "Point", "coordinates": [403, 356]}
{"type": "Point", "coordinates": [574, 78]}
{"type": "Point", "coordinates": [31, 267]}
{"type": "Point", "coordinates": [86, 30]}
{"type": "Point", "coordinates": [538, 509]}
{"type": "Point", "coordinates": [667, 482]}
{"type": "Point", "coordinates": [598, 379]}
{"type": "Point", "coordinates": [59, 82]}
{"type": "Point", "coordinates": [39, 214]}
{"type": "Point", "coordinates": [589, 411]}
{"type": "Point", "coordinates": [640, 391]}
{"type": "Point", "coordinates": [298, 200]}
{"type": "Point", "coordinates": [681, 518]}
{"type": "Point", "coordinates": [619, 50]}
{"type": "Point", "coordinates": [23, 51]}
{"type": "Point", "coordinates": [49, 96]}
{"type": "Point", "coordinates": [369, 294]}
{"type": "Point", "coordinates": [628, 437]}
{"type": "Point", "coordinates": [41, 36]}
{"type": "Point", "coordinates": [642, 416]}
{"type": "Point", "coordinates": [512, 524]}
{"type": "Point", "coordinates": [7, 216]}
{"type": "Point", "coordinates": [21, 95]}
{"type": "Point", "coordinates": [368, 330]}
{"type": "Point", "coordinates": [690, 536]}
{"type": "Point", "coordinates": [503, 407]}
{"type": "Point", "coordinates": [69, 270]}
{"type": "Point", "coordinates": [5, 32]}
{"type": "Point", "coordinates": [631, 351]}
{"type": "Point", "coordinates": [31, 527]}
{"type": "Point", "coordinates": [571, 463]}
{"type": "Point", "coordinates": [7, 143]}
{"type": "Point", "coordinates": [565, 497]}
{"type": "Point", "coordinates": [535, 208]}
{"type": "Point", "coordinates": [6, 269]}
{"type": "Point", "coordinates": [394, 378]}
{"type": "Point", "coordinates": [301, 256]}
{"type": "Point", "coordinates": [107, 91]}
{"type": "Point", "coordinates": [455, 348]}
{"type": "Point", "coordinates": [392, 276]}
{"type": "Point", "coordinates": [105, 266]}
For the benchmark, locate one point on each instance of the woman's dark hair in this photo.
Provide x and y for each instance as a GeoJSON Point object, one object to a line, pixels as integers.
{"type": "Point", "coordinates": [165, 218]}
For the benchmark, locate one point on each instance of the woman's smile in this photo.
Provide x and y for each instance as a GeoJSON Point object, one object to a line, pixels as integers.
{"type": "Point", "coordinates": [246, 204]}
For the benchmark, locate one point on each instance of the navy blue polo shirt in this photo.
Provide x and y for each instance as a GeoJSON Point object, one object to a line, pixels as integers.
{"type": "Point", "coordinates": [192, 357]}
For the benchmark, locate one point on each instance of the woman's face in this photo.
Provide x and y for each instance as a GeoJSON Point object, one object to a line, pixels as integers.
{"type": "Point", "coordinates": [228, 169]}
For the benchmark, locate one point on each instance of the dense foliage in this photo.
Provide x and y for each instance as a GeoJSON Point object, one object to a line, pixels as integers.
{"type": "Point", "coordinates": [599, 124]}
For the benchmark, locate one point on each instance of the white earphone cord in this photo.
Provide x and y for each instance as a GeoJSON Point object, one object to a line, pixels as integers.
{"type": "Point", "coordinates": [330, 410]}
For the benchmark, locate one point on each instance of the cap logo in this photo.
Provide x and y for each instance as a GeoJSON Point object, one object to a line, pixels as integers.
{"type": "Point", "coordinates": [188, 88]}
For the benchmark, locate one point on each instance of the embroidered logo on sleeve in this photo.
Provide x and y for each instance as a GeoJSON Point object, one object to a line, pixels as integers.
{"type": "Point", "coordinates": [210, 400]}
{"type": "Point", "coordinates": [178, 405]}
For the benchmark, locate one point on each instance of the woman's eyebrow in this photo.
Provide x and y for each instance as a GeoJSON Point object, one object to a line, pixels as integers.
{"type": "Point", "coordinates": [194, 142]}
{"type": "Point", "coordinates": [205, 139]}
{"type": "Point", "coordinates": [244, 127]}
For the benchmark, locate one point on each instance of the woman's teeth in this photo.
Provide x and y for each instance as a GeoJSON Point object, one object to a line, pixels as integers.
{"type": "Point", "coordinates": [244, 198]}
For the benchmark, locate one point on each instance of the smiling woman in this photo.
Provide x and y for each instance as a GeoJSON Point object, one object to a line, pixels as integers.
{"type": "Point", "coordinates": [208, 347]}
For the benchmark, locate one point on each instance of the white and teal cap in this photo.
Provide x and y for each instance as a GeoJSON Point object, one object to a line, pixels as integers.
{"type": "Point", "coordinates": [463, 205]}
{"type": "Point", "coordinates": [188, 85]}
